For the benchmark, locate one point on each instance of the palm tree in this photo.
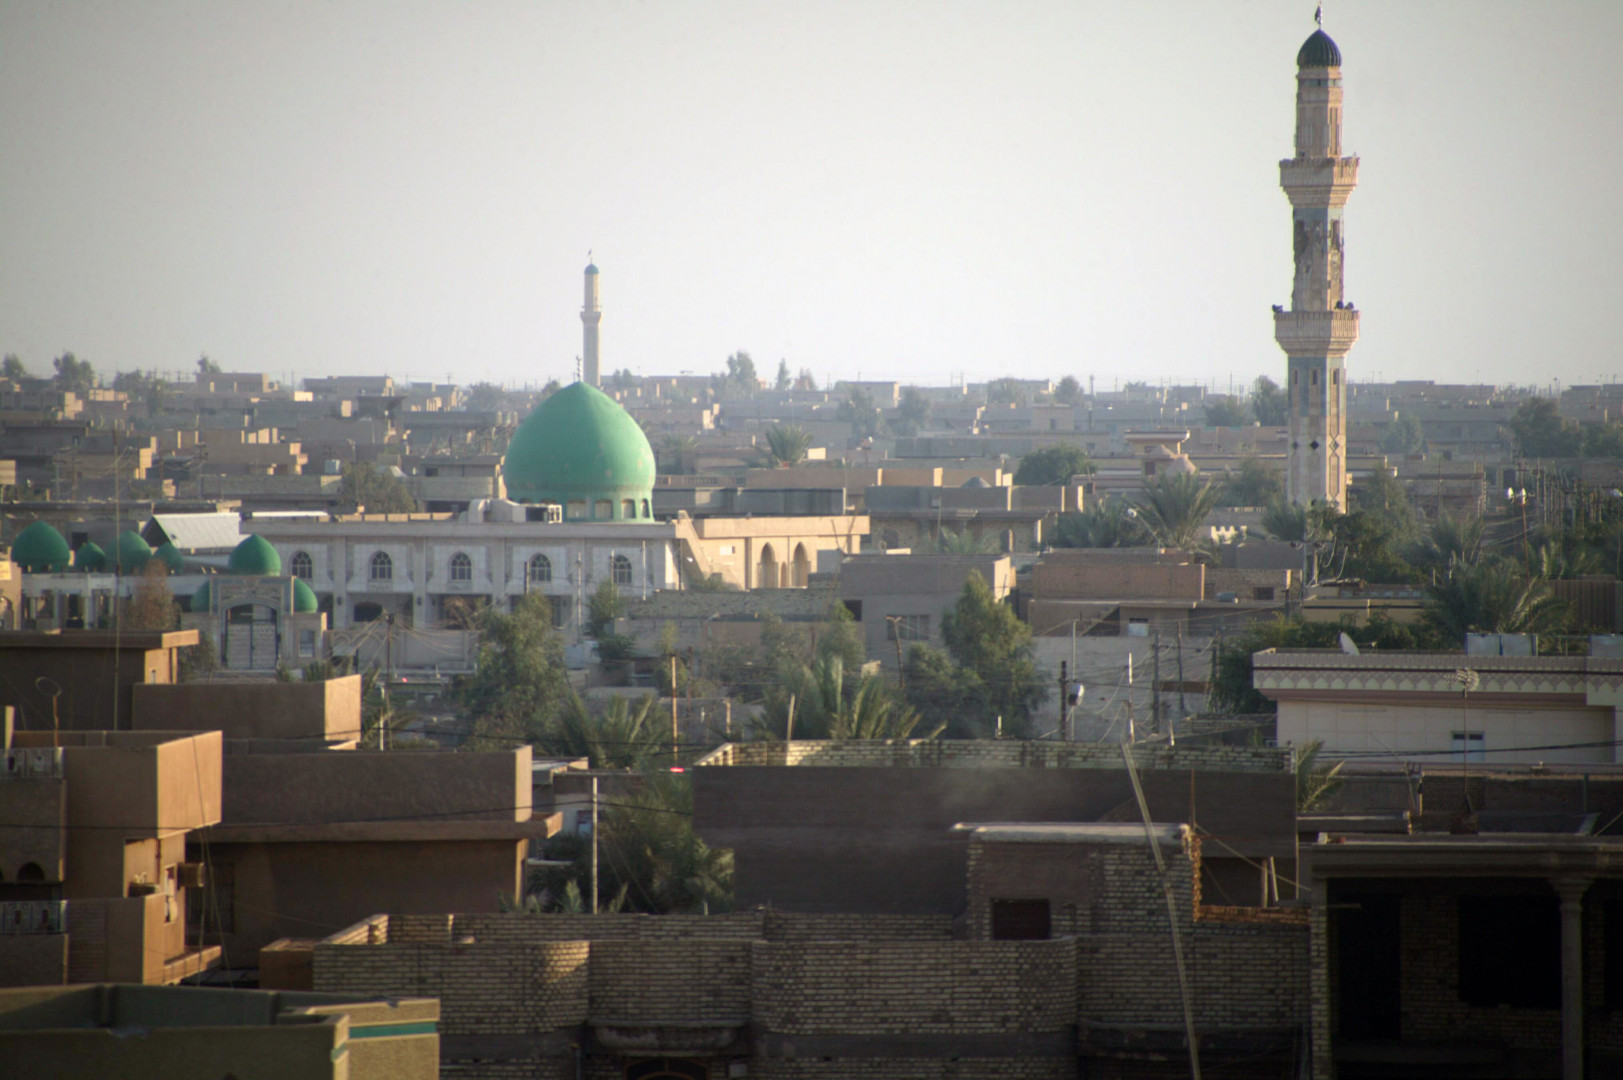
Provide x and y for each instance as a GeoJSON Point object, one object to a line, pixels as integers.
{"type": "Point", "coordinates": [655, 860]}
{"type": "Point", "coordinates": [1174, 507]}
{"type": "Point", "coordinates": [1313, 784]}
{"type": "Point", "coordinates": [1492, 596]}
{"type": "Point", "coordinates": [787, 445]}
{"type": "Point", "coordinates": [824, 710]}
{"type": "Point", "coordinates": [1107, 525]}
{"type": "Point", "coordinates": [963, 543]}
{"type": "Point", "coordinates": [1450, 540]}
{"type": "Point", "coordinates": [625, 736]}
{"type": "Point", "coordinates": [875, 712]}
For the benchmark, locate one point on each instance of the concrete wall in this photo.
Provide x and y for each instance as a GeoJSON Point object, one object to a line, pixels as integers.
{"type": "Point", "coordinates": [94, 675]}
{"type": "Point", "coordinates": [1426, 730]}
{"type": "Point", "coordinates": [321, 711]}
{"type": "Point", "coordinates": [1083, 576]}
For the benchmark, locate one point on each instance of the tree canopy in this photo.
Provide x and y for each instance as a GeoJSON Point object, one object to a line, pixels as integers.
{"type": "Point", "coordinates": [74, 374]}
{"type": "Point", "coordinates": [1253, 483]}
{"type": "Point", "coordinates": [378, 491]}
{"type": "Point", "coordinates": [1174, 506]}
{"type": "Point", "coordinates": [1227, 412]}
{"type": "Point", "coordinates": [1054, 465]}
{"type": "Point", "coordinates": [862, 413]}
{"type": "Point", "coordinates": [519, 679]}
{"type": "Point", "coordinates": [1268, 403]}
{"type": "Point", "coordinates": [1068, 391]}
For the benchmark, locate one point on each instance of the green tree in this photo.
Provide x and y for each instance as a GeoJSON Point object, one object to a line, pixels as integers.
{"type": "Point", "coordinates": [1449, 540]}
{"type": "Point", "coordinates": [519, 679]}
{"type": "Point", "coordinates": [1541, 430]}
{"type": "Point", "coordinates": [739, 378]}
{"type": "Point", "coordinates": [1285, 520]}
{"type": "Point", "coordinates": [1403, 436]}
{"type": "Point", "coordinates": [912, 412]}
{"type": "Point", "coordinates": [1268, 403]}
{"type": "Point", "coordinates": [1232, 687]}
{"type": "Point", "coordinates": [623, 380]}
{"type": "Point", "coordinates": [625, 735]}
{"type": "Point", "coordinates": [860, 411]}
{"type": "Point", "coordinates": [652, 855]}
{"type": "Point", "coordinates": [787, 444]}
{"type": "Point", "coordinates": [985, 636]}
{"type": "Point", "coordinates": [784, 380]}
{"type": "Point", "coordinates": [1068, 391]}
{"type": "Point", "coordinates": [205, 366]}
{"type": "Point", "coordinates": [1253, 483]}
{"type": "Point", "coordinates": [378, 491]}
{"type": "Point", "coordinates": [1603, 440]}
{"type": "Point", "coordinates": [604, 606]}
{"type": "Point", "coordinates": [1005, 391]}
{"type": "Point", "coordinates": [1315, 783]}
{"type": "Point", "coordinates": [484, 397]}
{"type": "Point", "coordinates": [1492, 596]}
{"type": "Point", "coordinates": [827, 704]}
{"type": "Point", "coordinates": [13, 368]}
{"type": "Point", "coordinates": [1110, 522]}
{"type": "Point", "coordinates": [1054, 465]}
{"type": "Point", "coordinates": [1226, 412]}
{"type": "Point", "coordinates": [1174, 506]}
{"type": "Point", "coordinates": [948, 697]}
{"type": "Point", "coordinates": [151, 605]}
{"type": "Point", "coordinates": [965, 543]}
{"type": "Point", "coordinates": [74, 374]}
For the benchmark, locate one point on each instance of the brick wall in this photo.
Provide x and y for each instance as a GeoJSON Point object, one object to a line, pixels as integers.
{"type": "Point", "coordinates": [915, 988]}
{"type": "Point", "coordinates": [1003, 753]}
{"type": "Point", "coordinates": [792, 926]}
{"type": "Point", "coordinates": [675, 981]}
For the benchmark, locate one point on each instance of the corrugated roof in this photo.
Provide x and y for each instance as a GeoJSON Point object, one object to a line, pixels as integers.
{"type": "Point", "coordinates": [196, 532]}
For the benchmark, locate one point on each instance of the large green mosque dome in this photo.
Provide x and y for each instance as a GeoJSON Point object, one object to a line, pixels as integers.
{"type": "Point", "coordinates": [255, 557]}
{"type": "Point", "coordinates": [580, 449]}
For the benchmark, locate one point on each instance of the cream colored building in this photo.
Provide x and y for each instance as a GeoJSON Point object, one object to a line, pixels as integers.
{"type": "Point", "coordinates": [1412, 706]}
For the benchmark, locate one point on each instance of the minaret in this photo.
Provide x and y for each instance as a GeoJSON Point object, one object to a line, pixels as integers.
{"type": "Point", "coordinates": [1320, 326]}
{"type": "Point", "coordinates": [591, 317]}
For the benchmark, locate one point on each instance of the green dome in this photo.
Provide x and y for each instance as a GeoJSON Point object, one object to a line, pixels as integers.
{"type": "Point", "coordinates": [132, 552]}
{"type": "Point", "coordinates": [580, 449]}
{"type": "Point", "coordinates": [40, 549]}
{"type": "Point", "coordinates": [304, 597]}
{"type": "Point", "coordinates": [1318, 51]}
{"type": "Point", "coordinates": [255, 557]}
{"type": "Point", "coordinates": [200, 598]}
{"type": "Point", "coordinates": [90, 558]}
{"type": "Point", "coordinates": [168, 554]}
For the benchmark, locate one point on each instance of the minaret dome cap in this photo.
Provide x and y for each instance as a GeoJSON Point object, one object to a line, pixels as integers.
{"type": "Point", "coordinates": [1318, 51]}
{"type": "Point", "coordinates": [591, 268]}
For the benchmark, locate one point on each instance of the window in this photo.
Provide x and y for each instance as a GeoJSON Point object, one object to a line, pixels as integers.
{"type": "Point", "coordinates": [628, 508]}
{"type": "Point", "coordinates": [307, 642]}
{"type": "Point", "coordinates": [461, 567]}
{"type": "Point", "coordinates": [540, 570]}
{"type": "Point", "coordinates": [645, 511]}
{"type": "Point", "coordinates": [1468, 746]}
{"type": "Point", "coordinates": [382, 567]}
{"type": "Point", "coordinates": [855, 608]}
{"type": "Point", "coordinates": [576, 510]}
{"type": "Point", "coordinates": [622, 570]}
{"type": "Point", "coordinates": [1020, 920]}
{"type": "Point", "coordinates": [907, 628]}
{"type": "Point", "coordinates": [303, 566]}
{"type": "Point", "coordinates": [1262, 592]}
{"type": "Point", "coordinates": [1138, 628]}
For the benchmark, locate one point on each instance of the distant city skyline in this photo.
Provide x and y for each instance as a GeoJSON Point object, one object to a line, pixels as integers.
{"type": "Point", "coordinates": [909, 192]}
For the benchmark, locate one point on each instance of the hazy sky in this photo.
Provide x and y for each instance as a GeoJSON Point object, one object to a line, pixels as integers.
{"type": "Point", "coordinates": [901, 190]}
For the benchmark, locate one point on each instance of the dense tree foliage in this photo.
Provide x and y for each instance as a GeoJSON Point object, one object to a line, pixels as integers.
{"type": "Point", "coordinates": [1174, 507]}
{"type": "Point", "coordinates": [1268, 403]}
{"type": "Point", "coordinates": [74, 374]}
{"type": "Point", "coordinates": [787, 444]}
{"type": "Point", "coordinates": [1226, 412]}
{"type": "Point", "coordinates": [912, 412]}
{"type": "Point", "coordinates": [376, 490]}
{"type": "Point", "coordinates": [1403, 436]}
{"type": "Point", "coordinates": [1005, 391]}
{"type": "Point", "coordinates": [1054, 465]}
{"type": "Point", "coordinates": [862, 413]}
{"type": "Point", "coordinates": [1109, 522]}
{"type": "Point", "coordinates": [1253, 483]}
{"type": "Point", "coordinates": [1068, 391]}
{"type": "Point", "coordinates": [519, 680]}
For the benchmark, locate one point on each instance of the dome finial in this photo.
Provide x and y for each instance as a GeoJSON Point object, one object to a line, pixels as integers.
{"type": "Point", "coordinates": [1318, 15]}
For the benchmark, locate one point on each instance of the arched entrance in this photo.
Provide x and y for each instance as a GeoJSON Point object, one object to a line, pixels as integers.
{"type": "Point", "coordinates": [802, 567]}
{"type": "Point", "coordinates": [767, 576]}
{"type": "Point", "coordinates": [251, 638]}
{"type": "Point", "coordinates": [667, 1069]}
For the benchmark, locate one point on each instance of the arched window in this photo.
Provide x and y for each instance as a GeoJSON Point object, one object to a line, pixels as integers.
{"type": "Point", "coordinates": [628, 508]}
{"type": "Point", "coordinates": [461, 567]}
{"type": "Point", "coordinates": [622, 570]}
{"type": "Point", "coordinates": [303, 566]}
{"type": "Point", "coordinates": [382, 568]}
{"type": "Point", "coordinates": [540, 570]}
{"type": "Point", "coordinates": [645, 512]}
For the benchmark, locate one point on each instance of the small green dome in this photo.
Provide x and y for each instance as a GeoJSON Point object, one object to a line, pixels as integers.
{"type": "Point", "coordinates": [90, 558]}
{"type": "Point", "coordinates": [1318, 51]}
{"type": "Point", "coordinates": [255, 557]}
{"type": "Point", "coordinates": [40, 549]}
{"type": "Point", "coordinates": [304, 597]}
{"type": "Point", "coordinates": [200, 598]}
{"type": "Point", "coordinates": [591, 268]}
{"type": "Point", "coordinates": [579, 448]}
{"type": "Point", "coordinates": [168, 554]}
{"type": "Point", "coordinates": [132, 552]}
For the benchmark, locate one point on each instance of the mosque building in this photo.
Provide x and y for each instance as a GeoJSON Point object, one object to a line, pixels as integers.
{"type": "Point", "coordinates": [1321, 324]}
{"type": "Point", "coordinates": [577, 511]}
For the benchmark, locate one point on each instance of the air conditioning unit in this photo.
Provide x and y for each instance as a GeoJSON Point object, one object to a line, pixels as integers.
{"type": "Point", "coordinates": [190, 875]}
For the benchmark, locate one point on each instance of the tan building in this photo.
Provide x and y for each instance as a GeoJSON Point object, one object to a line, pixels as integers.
{"type": "Point", "coordinates": [123, 1032]}
{"type": "Point", "coordinates": [1415, 706]}
{"type": "Point", "coordinates": [82, 679]}
{"type": "Point", "coordinates": [900, 599]}
{"type": "Point", "coordinates": [95, 881]}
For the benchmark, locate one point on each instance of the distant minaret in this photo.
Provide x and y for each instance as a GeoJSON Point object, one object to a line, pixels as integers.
{"type": "Point", "coordinates": [1320, 327]}
{"type": "Point", "coordinates": [591, 318]}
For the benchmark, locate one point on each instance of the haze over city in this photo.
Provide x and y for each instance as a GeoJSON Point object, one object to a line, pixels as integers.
{"type": "Point", "coordinates": [902, 191]}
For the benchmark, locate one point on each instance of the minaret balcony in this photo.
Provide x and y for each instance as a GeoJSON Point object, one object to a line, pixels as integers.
{"type": "Point", "coordinates": [1316, 333]}
{"type": "Point", "coordinates": [1318, 181]}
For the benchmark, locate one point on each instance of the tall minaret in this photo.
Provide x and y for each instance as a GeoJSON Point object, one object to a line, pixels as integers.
{"type": "Point", "coordinates": [1320, 326]}
{"type": "Point", "coordinates": [591, 317]}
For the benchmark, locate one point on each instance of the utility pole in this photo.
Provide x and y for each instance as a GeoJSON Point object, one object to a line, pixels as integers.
{"type": "Point", "coordinates": [1155, 680]}
{"type": "Point", "coordinates": [674, 737]}
{"type": "Point", "coordinates": [1183, 710]}
{"type": "Point", "coordinates": [594, 843]}
{"type": "Point", "coordinates": [1064, 684]}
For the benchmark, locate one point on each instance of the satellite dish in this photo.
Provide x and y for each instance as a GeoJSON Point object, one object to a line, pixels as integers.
{"type": "Point", "coordinates": [1347, 645]}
